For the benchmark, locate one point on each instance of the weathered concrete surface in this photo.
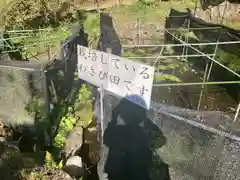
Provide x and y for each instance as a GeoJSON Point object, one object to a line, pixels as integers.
{"type": "Point", "coordinates": [20, 83]}
{"type": "Point", "coordinates": [229, 163]}
{"type": "Point", "coordinates": [191, 152]}
{"type": "Point", "coordinates": [74, 166]}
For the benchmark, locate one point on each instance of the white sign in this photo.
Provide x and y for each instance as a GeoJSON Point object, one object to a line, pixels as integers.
{"type": "Point", "coordinates": [118, 75]}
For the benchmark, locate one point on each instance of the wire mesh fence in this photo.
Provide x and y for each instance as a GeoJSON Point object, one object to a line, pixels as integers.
{"type": "Point", "coordinates": [187, 54]}
{"type": "Point", "coordinates": [200, 144]}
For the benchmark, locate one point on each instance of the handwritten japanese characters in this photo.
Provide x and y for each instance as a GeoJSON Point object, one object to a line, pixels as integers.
{"type": "Point", "coordinates": [117, 74]}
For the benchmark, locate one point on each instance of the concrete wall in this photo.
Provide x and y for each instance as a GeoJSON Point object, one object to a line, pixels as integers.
{"type": "Point", "coordinates": [229, 162]}
{"type": "Point", "coordinates": [191, 152]}
{"type": "Point", "coordinates": [19, 84]}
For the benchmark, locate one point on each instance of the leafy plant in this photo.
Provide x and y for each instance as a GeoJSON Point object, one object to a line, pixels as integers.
{"type": "Point", "coordinates": [27, 174]}
{"type": "Point", "coordinates": [50, 162]}
{"type": "Point", "coordinates": [78, 114]}
{"type": "Point", "coordinates": [36, 108]}
{"type": "Point", "coordinates": [41, 173]}
{"type": "Point", "coordinates": [66, 124]}
{"type": "Point", "coordinates": [35, 176]}
{"type": "Point", "coordinates": [165, 68]}
{"type": "Point", "coordinates": [83, 107]}
{"type": "Point", "coordinates": [166, 77]}
{"type": "Point", "coordinates": [231, 60]}
{"type": "Point", "coordinates": [92, 26]}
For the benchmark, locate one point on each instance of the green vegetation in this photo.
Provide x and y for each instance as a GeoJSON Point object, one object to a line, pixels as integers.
{"type": "Point", "coordinates": [31, 165]}
{"type": "Point", "coordinates": [167, 67]}
{"type": "Point", "coordinates": [35, 108]}
{"type": "Point", "coordinates": [30, 14]}
{"type": "Point", "coordinates": [231, 60]}
{"type": "Point", "coordinates": [49, 164]}
{"type": "Point", "coordinates": [78, 114]}
{"type": "Point", "coordinates": [92, 27]}
{"type": "Point", "coordinates": [152, 13]}
{"type": "Point", "coordinates": [40, 42]}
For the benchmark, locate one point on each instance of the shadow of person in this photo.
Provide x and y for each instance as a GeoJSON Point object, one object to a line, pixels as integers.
{"type": "Point", "coordinates": [131, 138]}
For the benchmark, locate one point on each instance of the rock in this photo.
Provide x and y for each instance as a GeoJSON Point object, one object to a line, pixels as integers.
{"type": "Point", "coordinates": [74, 166]}
{"type": "Point", "coordinates": [62, 175]}
{"type": "Point", "coordinates": [2, 140]}
{"type": "Point", "coordinates": [74, 141]}
{"type": "Point", "coordinates": [94, 147]}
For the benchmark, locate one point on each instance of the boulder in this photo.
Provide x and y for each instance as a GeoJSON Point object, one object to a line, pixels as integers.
{"type": "Point", "coordinates": [91, 139]}
{"type": "Point", "coordinates": [74, 167]}
{"type": "Point", "coordinates": [74, 141]}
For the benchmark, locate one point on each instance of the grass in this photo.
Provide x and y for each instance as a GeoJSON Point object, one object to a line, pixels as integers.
{"type": "Point", "coordinates": [151, 13]}
{"type": "Point", "coordinates": [92, 27]}
{"type": "Point", "coordinates": [151, 18]}
{"type": "Point", "coordinates": [125, 16]}
{"type": "Point", "coordinates": [125, 19]}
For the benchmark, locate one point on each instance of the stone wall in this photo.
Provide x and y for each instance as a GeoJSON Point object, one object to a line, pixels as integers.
{"type": "Point", "coordinates": [221, 13]}
{"type": "Point", "coordinates": [20, 84]}
{"type": "Point", "coordinates": [194, 151]}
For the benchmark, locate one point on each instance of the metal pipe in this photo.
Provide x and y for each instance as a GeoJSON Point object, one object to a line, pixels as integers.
{"type": "Point", "coordinates": [193, 28]}
{"type": "Point", "coordinates": [199, 125]}
{"type": "Point", "coordinates": [196, 83]}
{"type": "Point", "coordinates": [101, 90]}
{"type": "Point", "coordinates": [158, 57]}
{"type": "Point", "coordinates": [203, 85]}
{"type": "Point", "coordinates": [182, 44]}
{"type": "Point", "coordinates": [138, 32]}
{"type": "Point", "coordinates": [206, 56]}
{"type": "Point", "coordinates": [236, 114]}
{"type": "Point", "coordinates": [25, 30]}
{"type": "Point", "coordinates": [173, 56]}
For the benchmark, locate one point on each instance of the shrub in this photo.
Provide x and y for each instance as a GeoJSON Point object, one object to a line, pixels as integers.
{"type": "Point", "coordinates": [27, 14]}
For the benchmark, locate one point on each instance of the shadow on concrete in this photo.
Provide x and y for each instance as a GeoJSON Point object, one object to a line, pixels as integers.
{"type": "Point", "coordinates": [132, 138]}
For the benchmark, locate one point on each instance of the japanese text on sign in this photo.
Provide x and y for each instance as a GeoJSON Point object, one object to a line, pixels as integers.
{"type": "Point", "coordinates": [117, 74]}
